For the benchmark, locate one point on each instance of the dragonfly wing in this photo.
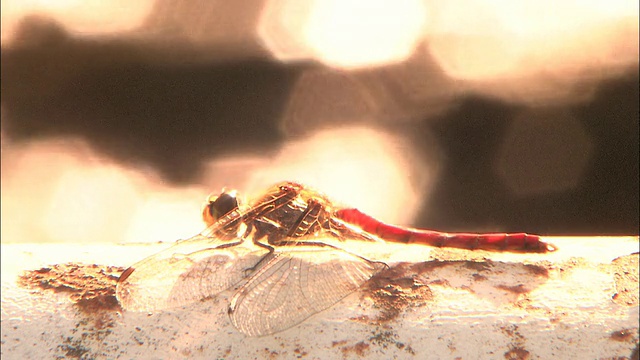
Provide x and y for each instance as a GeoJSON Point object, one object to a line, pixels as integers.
{"type": "Point", "coordinates": [186, 272]}
{"type": "Point", "coordinates": [295, 283]}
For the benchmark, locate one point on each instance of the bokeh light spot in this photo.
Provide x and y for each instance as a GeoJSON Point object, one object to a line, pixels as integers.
{"type": "Point", "coordinates": [63, 191]}
{"type": "Point", "coordinates": [543, 152]}
{"type": "Point", "coordinates": [537, 52]}
{"type": "Point", "coordinates": [80, 17]}
{"type": "Point", "coordinates": [344, 34]}
{"type": "Point", "coordinates": [357, 166]}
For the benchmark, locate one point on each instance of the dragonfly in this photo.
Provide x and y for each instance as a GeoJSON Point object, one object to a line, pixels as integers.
{"type": "Point", "coordinates": [280, 257]}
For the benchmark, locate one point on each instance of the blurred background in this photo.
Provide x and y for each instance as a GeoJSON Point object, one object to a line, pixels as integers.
{"type": "Point", "coordinates": [119, 117]}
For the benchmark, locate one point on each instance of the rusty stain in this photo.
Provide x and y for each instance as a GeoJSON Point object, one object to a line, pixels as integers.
{"type": "Point", "coordinates": [635, 355]}
{"type": "Point", "coordinates": [509, 330]}
{"type": "Point", "coordinates": [623, 335]}
{"type": "Point", "coordinates": [626, 280]}
{"type": "Point", "coordinates": [451, 347]}
{"type": "Point", "coordinates": [360, 349]}
{"type": "Point", "coordinates": [428, 266]}
{"type": "Point", "coordinates": [467, 288]}
{"type": "Point", "coordinates": [338, 343]}
{"type": "Point", "coordinates": [90, 287]}
{"type": "Point", "coordinates": [363, 319]}
{"type": "Point", "coordinates": [516, 289]}
{"type": "Point", "coordinates": [516, 353]}
{"type": "Point", "coordinates": [299, 353]}
{"type": "Point", "coordinates": [441, 282]}
{"type": "Point", "coordinates": [393, 291]}
{"type": "Point", "coordinates": [272, 354]}
{"type": "Point", "coordinates": [478, 277]}
{"type": "Point", "coordinates": [386, 338]}
{"type": "Point", "coordinates": [479, 266]}
{"type": "Point", "coordinates": [537, 270]}
{"type": "Point", "coordinates": [516, 348]}
{"type": "Point", "coordinates": [73, 348]}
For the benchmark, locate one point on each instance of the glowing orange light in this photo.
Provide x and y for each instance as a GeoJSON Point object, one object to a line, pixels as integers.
{"type": "Point", "coordinates": [89, 17]}
{"type": "Point", "coordinates": [359, 167]}
{"type": "Point", "coordinates": [496, 39]}
{"type": "Point", "coordinates": [345, 34]}
{"type": "Point", "coordinates": [62, 191]}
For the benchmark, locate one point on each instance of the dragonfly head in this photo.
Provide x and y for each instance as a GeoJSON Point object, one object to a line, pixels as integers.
{"type": "Point", "coordinates": [218, 205]}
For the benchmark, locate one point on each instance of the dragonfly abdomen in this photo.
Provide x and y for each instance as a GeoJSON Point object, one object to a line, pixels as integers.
{"type": "Point", "coordinates": [512, 242]}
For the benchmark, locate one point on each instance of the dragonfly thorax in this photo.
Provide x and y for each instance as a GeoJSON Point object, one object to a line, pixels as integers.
{"type": "Point", "coordinates": [295, 219]}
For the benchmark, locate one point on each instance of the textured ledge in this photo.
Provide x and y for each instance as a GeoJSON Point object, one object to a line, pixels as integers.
{"type": "Point", "coordinates": [580, 302]}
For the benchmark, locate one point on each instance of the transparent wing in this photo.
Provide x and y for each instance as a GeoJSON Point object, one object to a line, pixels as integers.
{"type": "Point", "coordinates": [294, 283]}
{"type": "Point", "coordinates": [186, 272]}
{"type": "Point", "coordinates": [202, 266]}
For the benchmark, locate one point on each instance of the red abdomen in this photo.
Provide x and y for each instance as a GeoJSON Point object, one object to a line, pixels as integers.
{"type": "Point", "coordinates": [512, 242]}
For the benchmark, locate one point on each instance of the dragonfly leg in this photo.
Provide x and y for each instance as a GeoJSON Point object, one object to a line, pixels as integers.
{"type": "Point", "coordinates": [262, 261]}
{"type": "Point", "coordinates": [271, 249]}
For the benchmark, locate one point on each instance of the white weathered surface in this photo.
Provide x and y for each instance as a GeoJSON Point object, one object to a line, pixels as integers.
{"type": "Point", "coordinates": [477, 311]}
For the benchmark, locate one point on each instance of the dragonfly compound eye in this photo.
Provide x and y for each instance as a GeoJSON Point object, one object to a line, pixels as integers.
{"type": "Point", "coordinates": [223, 204]}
